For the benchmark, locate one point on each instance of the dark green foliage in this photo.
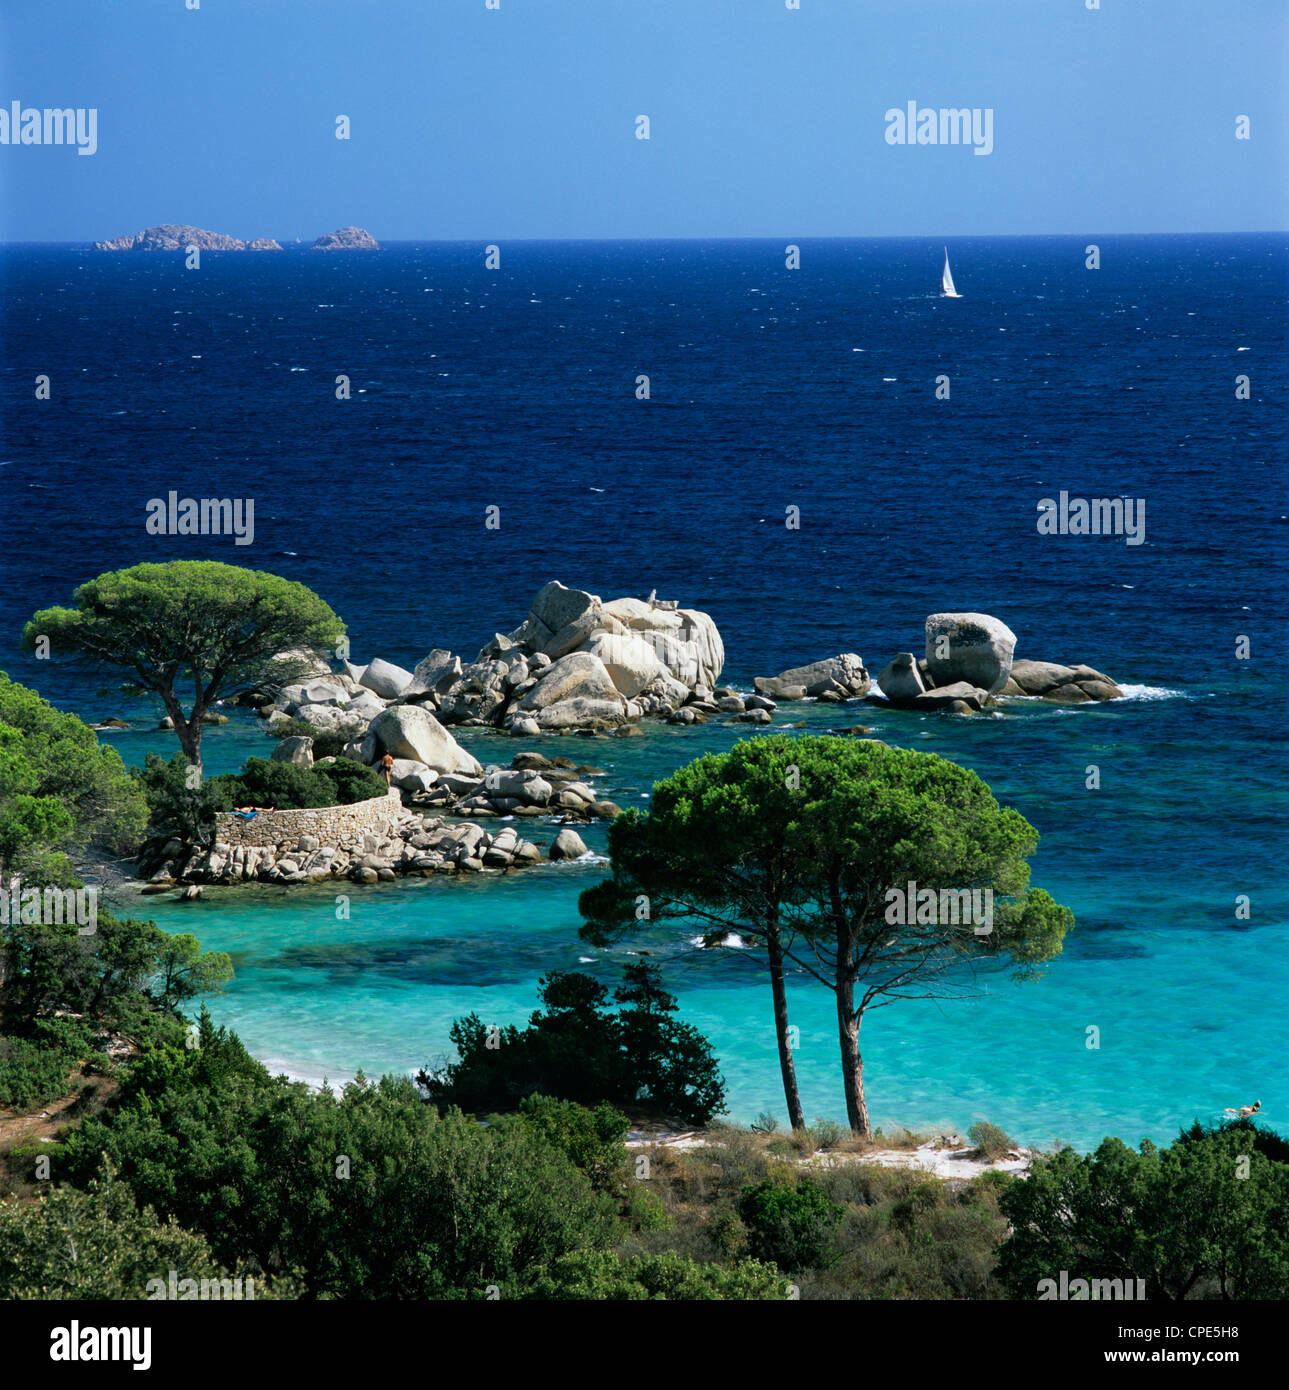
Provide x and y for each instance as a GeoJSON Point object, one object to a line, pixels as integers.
{"type": "Point", "coordinates": [190, 626]}
{"type": "Point", "coordinates": [351, 780]}
{"type": "Point", "coordinates": [1202, 1219]}
{"type": "Point", "coordinates": [123, 961]}
{"type": "Point", "coordinates": [575, 1050]}
{"type": "Point", "coordinates": [370, 1194]}
{"type": "Point", "coordinates": [177, 809]}
{"type": "Point", "coordinates": [591, 1139]}
{"type": "Point", "coordinates": [671, 1062]}
{"type": "Point", "coordinates": [59, 790]}
{"type": "Point", "coordinates": [601, 1275]}
{"type": "Point", "coordinates": [795, 1227]}
{"type": "Point", "coordinates": [34, 1069]}
{"type": "Point", "coordinates": [97, 1244]}
{"type": "Point", "coordinates": [1261, 1140]}
{"type": "Point", "coordinates": [283, 786]}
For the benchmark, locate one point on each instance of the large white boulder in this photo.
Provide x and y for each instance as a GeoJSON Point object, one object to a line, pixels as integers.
{"type": "Point", "coordinates": [306, 663]}
{"type": "Point", "coordinates": [970, 647]}
{"type": "Point", "coordinates": [411, 731]}
{"type": "Point", "coordinates": [556, 606]}
{"type": "Point", "coordinates": [582, 713]}
{"type": "Point", "coordinates": [684, 640]}
{"type": "Point", "coordinates": [630, 661]}
{"type": "Point", "coordinates": [900, 678]}
{"type": "Point", "coordinates": [435, 672]}
{"type": "Point", "coordinates": [580, 674]}
{"type": "Point", "coordinates": [294, 750]}
{"type": "Point", "coordinates": [385, 679]}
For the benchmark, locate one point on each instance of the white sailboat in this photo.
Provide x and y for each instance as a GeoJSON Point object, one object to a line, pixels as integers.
{"type": "Point", "coordinates": [946, 280]}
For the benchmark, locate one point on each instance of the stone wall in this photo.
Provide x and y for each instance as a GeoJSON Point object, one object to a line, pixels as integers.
{"type": "Point", "coordinates": [330, 824]}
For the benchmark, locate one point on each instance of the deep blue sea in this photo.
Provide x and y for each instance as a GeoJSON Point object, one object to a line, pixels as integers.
{"type": "Point", "coordinates": [769, 389]}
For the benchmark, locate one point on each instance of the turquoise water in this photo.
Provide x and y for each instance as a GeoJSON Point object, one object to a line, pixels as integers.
{"type": "Point", "coordinates": [771, 388]}
{"type": "Point", "coordinates": [1188, 1002]}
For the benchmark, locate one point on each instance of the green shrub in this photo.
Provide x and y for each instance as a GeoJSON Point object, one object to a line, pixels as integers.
{"type": "Point", "coordinates": [646, 1212]}
{"type": "Point", "coordinates": [1206, 1219]}
{"type": "Point", "coordinates": [175, 809]}
{"type": "Point", "coordinates": [602, 1276]}
{"type": "Point", "coordinates": [31, 1075]}
{"type": "Point", "coordinates": [352, 780]}
{"type": "Point", "coordinates": [283, 786]}
{"type": "Point", "coordinates": [991, 1142]}
{"type": "Point", "coordinates": [574, 1049]}
{"type": "Point", "coordinates": [592, 1139]}
{"type": "Point", "coordinates": [34, 1068]}
{"type": "Point", "coordinates": [828, 1134]}
{"type": "Point", "coordinates": [428, 1207]}
{"type": "Point", "coordinates": [795, 1227]}
{"type": "Point", "coordinates": [98, 1245]}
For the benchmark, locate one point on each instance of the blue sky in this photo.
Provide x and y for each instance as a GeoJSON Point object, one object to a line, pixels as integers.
{"type": "Point", "coordinates": [470, 123]}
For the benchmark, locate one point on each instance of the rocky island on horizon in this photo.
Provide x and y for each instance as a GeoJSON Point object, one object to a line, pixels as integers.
{"type": "Point", "coordinates": [178, 236]}
{"type": "Point", "coordinates": [347, 239]}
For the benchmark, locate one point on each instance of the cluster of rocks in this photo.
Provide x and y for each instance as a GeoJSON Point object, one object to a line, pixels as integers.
{"type": "Point", "coordinates": [408, 844]}
{"type": "Point", "coordinates": [574, 663]}
{"type": "Point", "coordinates": [970, 661]}
{"type": "Point", "coordinates": [838, 678]}
{"type": "Point", "coordinates": [533, 785]}
{"type": "Point", "coordinates": [178, 236]}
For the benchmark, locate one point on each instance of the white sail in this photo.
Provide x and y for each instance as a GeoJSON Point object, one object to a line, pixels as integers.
{"type": "Point", "coordinates": [946, 279]}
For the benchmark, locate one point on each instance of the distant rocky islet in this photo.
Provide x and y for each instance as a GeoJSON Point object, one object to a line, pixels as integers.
{"type": "Point", "coordinates": [171, 236]}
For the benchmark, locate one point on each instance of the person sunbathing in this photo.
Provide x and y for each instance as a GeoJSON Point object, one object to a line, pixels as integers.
{"type": "Point", "coordinates": [1245, 1110]}
{"type": "Point", "coordinates": [250, 812]}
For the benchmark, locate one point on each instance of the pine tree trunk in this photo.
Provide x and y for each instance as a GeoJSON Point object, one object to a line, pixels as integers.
{"type": "Point", "coordinates": [786, 1064]}
{"type": "Point", "coordinates": [187, 730]}
{"type": "Point", "coordinates": [852, 1064]}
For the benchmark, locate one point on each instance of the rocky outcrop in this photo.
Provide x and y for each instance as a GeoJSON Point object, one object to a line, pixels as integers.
{"type": "Point", "coordinates": [384, 679]}
{"type": "Point", "coordinates": [382, 838]}
{"type": "Point", "coordinates": [1067, 685]}
{"type": "Point", "coordinates": [347, 239]}
{"type": "Point", "coordinates": [971, 647]}
{"type": "Point", "coordinates": [298, 751]}
{"type": "Point", "coordinates": [172, 236]}
{"type": "Point", "coordinates": [838, 678]}
{"type": "Point", "coordinates": [575, 662]}
{"type": "Point", "coordinates": [411, 732]}
{"type": "Point", "coordinates": [900, 679]}
{"type": "Point", "coordinates": [970, 661]}
{"type": "Point", "coordinates": [404, 844]}
{"type": "Point", "coordinates": [568, 845]}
